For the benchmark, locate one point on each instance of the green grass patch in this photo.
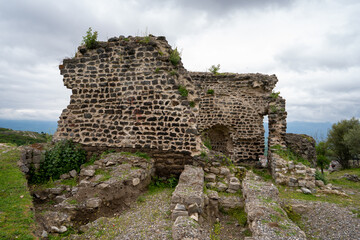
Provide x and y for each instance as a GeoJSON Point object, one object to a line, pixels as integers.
{"type": "Point", "coordinates": [70, 182]}
{"type": "Point", "coordinates": [16, 216]}
{"type": "Point", "coordinates": [158, 184]}
{"type": "Point", "coordinates": [264, 173]}
{"type": "Point", "coordinates": [239, 214]}
{"type": "Point", "coordinates": [105, 175]}
{"type": "Point", "coordinates": [336, 178]}
{"type": "Point", "coordinates": [287, 193]}
{"type": "Point", "coordinates": [287, 154]}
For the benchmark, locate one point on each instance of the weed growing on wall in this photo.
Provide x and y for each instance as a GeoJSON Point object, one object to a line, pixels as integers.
{"type": "Point", "coordinates": [90, 39]}
{"type": "Point", "coordinates": [183, 91]}
{"type": "Point", "coordinates": [210, 91]}
{"type": "Point", "coordinates": [174, 57]}
{"type": "Point", "coordinates": [274, 95]}
{"type": "Point", "coordinates": [192, 104]}
{"type": "Point", "coordinates": [62, 158]}
{"type": "Point", "coordinates": [214, 69]}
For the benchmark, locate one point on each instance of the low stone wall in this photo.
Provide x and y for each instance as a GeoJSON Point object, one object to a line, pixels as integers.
{"type": "Point", "coordinates": [267, 220]}
{"type": "Point", "coordinates": [31, 157]}
{"type": "Point", "coordinates": [293, 175]}
{"type": "Point", "coordinates": [104, 188]}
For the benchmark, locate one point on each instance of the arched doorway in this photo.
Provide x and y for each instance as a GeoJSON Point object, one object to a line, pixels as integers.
{"type": "Point", "coordinates": [218, 137]}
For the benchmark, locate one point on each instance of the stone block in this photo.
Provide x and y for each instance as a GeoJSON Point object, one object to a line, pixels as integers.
{"type": "Point", "coordinates": [210, 177]}
{"type": "Point", "coordinates": [93, 202]}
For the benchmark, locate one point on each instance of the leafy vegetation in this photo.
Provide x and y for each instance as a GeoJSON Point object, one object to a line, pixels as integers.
{"type": "Point", "coordinates": [344, 140]}
{"type": "Point", "coordinates": [214, 69]}
{"type": "Point", "coordinates": [274, 95]}
{"type": "Point", "coordinates": [175, 57]}
{"type": "Point", "coordinates": [183, 91]}
{"type": "Point", "coordinates": [320, 176]}
{"type": "Point", "coordinates": [62, 158]}
{"type": "Point", "coordinates": [322, 159]}
{"type": "Point", "coordinates": [90, 39]}
{"type": "Point", "coordinates": [16, 216]}
{"type": "Point", "coordinates": [192, 104]}
{"type": "Point", "coordinates": [210, 91]}
{"type": "Point", "coordinates": [207, 143]}
{"type": "Point", "coordinates": [173, 73]}
{"type": "Point", "coordinates": [287, 154]}
{"type": "Point", "coordinates": [22, 137]}
{"type": "Point", "coordinates": [214, 235]}
{"type": "Point", "coordinates": [158, 184]}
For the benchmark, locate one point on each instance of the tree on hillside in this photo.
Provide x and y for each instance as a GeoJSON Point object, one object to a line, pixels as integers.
{"type": "Point", "coordinates": [343, 140]}
{"type": "Point", "coordinates": [322, 153]}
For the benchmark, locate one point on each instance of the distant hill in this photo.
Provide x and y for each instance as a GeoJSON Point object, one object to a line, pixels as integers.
{"type": "Point", "coordinates": [21, 137]}
{"type": "Point", "coordinates": [30, 125]}
{"type": "Point", "coordinates": [317, 130]}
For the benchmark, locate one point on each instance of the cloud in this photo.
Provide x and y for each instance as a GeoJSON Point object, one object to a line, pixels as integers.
{"type": "Point", "coordinates": [312, 46]}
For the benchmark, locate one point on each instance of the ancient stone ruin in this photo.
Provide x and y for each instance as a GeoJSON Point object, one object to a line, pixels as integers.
{"type": "Point", "coordinates": [128, 93]}
{"type": "Point", "coordinates": [134, 95]}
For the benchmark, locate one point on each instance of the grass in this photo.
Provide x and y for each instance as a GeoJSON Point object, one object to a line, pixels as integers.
{"type": "Point", "coordinates": [16, 216]}
{"type": "Point", "coordinates": [264, 173]}
{"type": "Point", "coordinates": [336, 178]}
{"type": "Point", "coordinates": [22, 137]}
{"type": "Point", "coordinates": [105, 175]}
{"type": "Point", "coordinates": [288, 155]}
{"type": "Point", "coordinates": [239, 214]}
{"type": "Point", "coordinates": [175, 57]}
{"type": "Point", "coordinates": [183, 91]}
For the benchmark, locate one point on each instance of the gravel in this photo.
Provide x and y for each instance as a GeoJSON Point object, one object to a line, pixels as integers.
{"type": "Point", "coordinates": [328, 221]}
{"type": "Point", "coordinates": [148, 218]}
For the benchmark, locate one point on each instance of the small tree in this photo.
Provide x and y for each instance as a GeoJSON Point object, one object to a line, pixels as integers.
{"type": "Point", "coordinates": [215, 69]}
{"type": "Point", "coordinates": [90, 40]}
{"type": "Point", "coordinates": [343, 140]}
{"type": "Point", "coordinates": [321, 156]}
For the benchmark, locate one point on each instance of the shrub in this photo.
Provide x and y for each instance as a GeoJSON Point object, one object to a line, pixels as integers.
{"type": "Point", "coordinates": [62, 158]}
{"type": "Point", "coordinates": [214, 69]}
{"type": "Point", "coordinates": [183, 91]}
{"type": "Point", "coordinates": [174, 57]}
{"type": "Point", "coordinates": [274, 95]}
{"type": "Point", "coordinates": [192, 104]}
{"type": "Point", "coordinates": [320, 176]}
{"type": "Point", "coordinates": [207, 143]}
{"type": "Point", "coordinates": [90, 40]}
{"type": "Point", "coordinates": [210, 91]}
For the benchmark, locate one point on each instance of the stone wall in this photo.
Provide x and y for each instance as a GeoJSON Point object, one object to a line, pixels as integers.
{"type": "Point", "coordinates": [302, 145]}
{"type": "Point", "coordinates": [232, 108]}
{"type": "Point", "coordinates": [125, 94]}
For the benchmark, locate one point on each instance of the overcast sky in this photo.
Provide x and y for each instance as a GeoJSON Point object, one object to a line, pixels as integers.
{"type": "Point", "coordinates": [313, 46]}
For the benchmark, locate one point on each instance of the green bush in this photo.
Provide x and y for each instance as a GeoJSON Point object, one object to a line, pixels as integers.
{"type": "Point", "coordinates": [210, 91]}
{"type": "Point", "coordinates": [320, 176]}
{"type": "Point", "coordinates": [192, 104]}
{"type": "Point", "coordinates": [90, 40]}
{"type": "Point", "coordinates": [62, 158]}
{"type": "Point", "coordinates": [183, 91]}
{"type": "Point", "coordinates": [175, 57]}
{"type": "Point", "coordinates": [214, 69]}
